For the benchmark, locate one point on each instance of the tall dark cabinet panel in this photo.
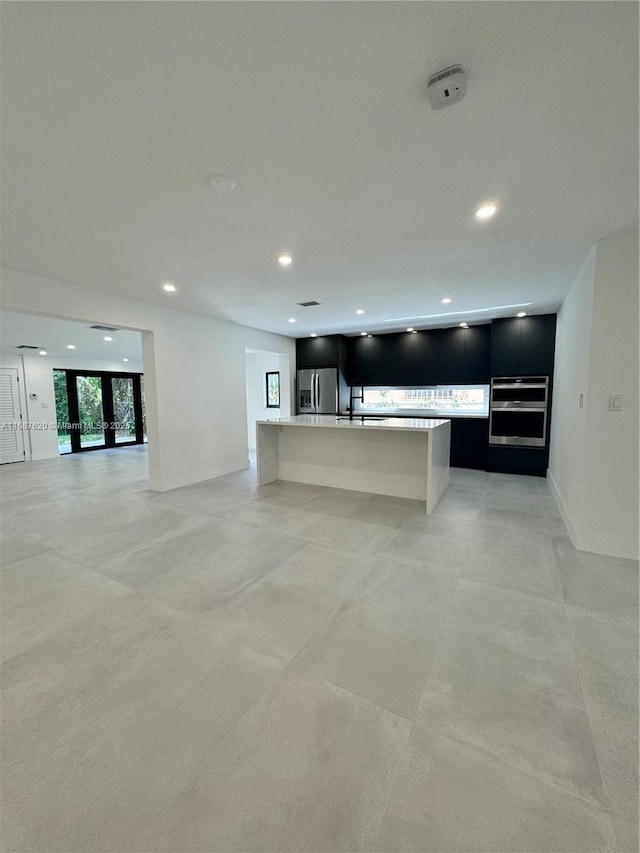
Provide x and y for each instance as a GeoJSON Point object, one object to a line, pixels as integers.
{"type": "Point", "coordinates": [368, 360]}
{"type": "Point", "coordinates": [317, 352]}
{"type": "Point", "coordinates": [537, 344]}
{"type": "Point", "coordinates": [451, 356]}
{"type": "Point", "coordinates": [523, 345]}
{"type": "Point", "coordinates": [412, 359]}
{"type": "Point", "coordinates": [464, 356]}
{"type": "Point", "coordinates": [477, 355]}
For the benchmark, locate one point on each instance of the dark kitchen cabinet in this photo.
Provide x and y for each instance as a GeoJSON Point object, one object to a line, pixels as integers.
{"type": "Point", "coordinates": [451, 356]}
{"type": "Point", "coordinates": [523, 346]}
{"type": "Point", "coordinates": [518, 460]}
{"type": "Point", "coordinates": [318, 352]}
{"type": "Point", "coordinates": [477, 355]}
{"type": "Point", "coordinates": [412, 359]}
{"type": "Point", "coordinates": [469, 437]}
{"type": "Point", "coordinates": [537, 344]}
{"type": "Point", "coordinates": [464, 356]}
{"type": "Point", "coordinates": [368, 361]}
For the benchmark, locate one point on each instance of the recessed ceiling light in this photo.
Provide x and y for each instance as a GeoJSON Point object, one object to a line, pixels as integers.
{"type": "Point", "coordinates": [292, 319]}
{"type": "Point", "coordinates": [285, 260]}
{"type": "Point", "coordinates": [369, 336]}
{"type": "Point", "coordinates": [364, 335]}
{"type": "Point", "coordinates": [464, 325]}
{"type": "Point", "coordinates": [360, 311]}
{"type": "Point", "coordinates": [486, 211]}
{"type": "Point", "coordinates": [42, 352]}
{"type": "Point", "coordinates": [71, 346]}
{"type": "Point", "coordinates": [414, 331]}
{"type": "Point", "coordinates": [168, 287]}
{"type": "Point", "coordinates": [125, 359]}
{"type": "Point", "coordinates": [521, 314]}
{"type": "Point", "coordinates": [107, 338]}
{"type": "Point", "coordinates": [222, 183]}
{"type": "Point", "coordinates": [446, 301]}
{"type": "Point", "coordinates": [410, 329]}
{"type": "Point", "coordinates": [313, 335]}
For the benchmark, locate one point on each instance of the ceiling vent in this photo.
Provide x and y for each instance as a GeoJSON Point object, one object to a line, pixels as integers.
{"type": "Point", "coordinates": [27, 346]}
{"type": "Point", "coordinates": [447, 87]}
{"type": "Point", "coordinates": [105, 328]}
{"type": "Point", "coordinates": [308, 304]}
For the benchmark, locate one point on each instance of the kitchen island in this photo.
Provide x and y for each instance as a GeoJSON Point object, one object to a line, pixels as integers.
{"type": "Point", "coordinates": [402, 457]}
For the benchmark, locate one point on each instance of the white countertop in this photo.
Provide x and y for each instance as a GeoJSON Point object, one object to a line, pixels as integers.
{"type": "Point", "coordinates": [343, 422]}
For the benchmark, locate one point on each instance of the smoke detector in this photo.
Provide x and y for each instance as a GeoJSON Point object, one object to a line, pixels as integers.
{"type": "Point", "coordinates": [447, 87]}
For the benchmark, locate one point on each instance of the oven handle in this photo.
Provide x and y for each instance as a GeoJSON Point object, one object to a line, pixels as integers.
{"type": "Point", "coordinates": [512, 406]}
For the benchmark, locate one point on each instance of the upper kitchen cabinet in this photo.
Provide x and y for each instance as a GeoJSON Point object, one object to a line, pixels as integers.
{"type": "Point", "coordinates": [538, 344]}
{"type": "Point", "coordinates": [318, 352]}
{"type": "Point", "coordinates": [464, 356]}
{"type": "Point", "coordinates": [368, 361]}
{"type": "Point", "coordinates": [477, 355]}
{"type": "Point", "coordinates": [451, 356]}
{"type": "Point", "coordinates": [412, 358]}
{"type": "Point", "coordinates": [523, 346]}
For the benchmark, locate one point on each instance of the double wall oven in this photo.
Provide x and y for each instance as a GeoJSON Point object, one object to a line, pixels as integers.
{"type": "Point", "coordinates": [518, 411]}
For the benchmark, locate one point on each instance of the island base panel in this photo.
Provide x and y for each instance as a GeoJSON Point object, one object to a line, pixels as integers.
{"type": "Point", "coordinates": [402, 465]}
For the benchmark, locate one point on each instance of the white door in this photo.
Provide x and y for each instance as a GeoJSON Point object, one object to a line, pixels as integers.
{"type": "Point", "coordinates": [11, 434]}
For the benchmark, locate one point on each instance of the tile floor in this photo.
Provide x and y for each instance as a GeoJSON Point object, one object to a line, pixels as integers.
{"type": "Point", "coordinates": [295, 668]}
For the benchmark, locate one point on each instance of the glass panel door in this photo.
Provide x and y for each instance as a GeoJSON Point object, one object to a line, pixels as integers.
{"type": "Point", "coordinates": [124, 414]}
{"type": "Point", "coordinates": [90, 411]}
{"type": "Point", "coordinates": [62, 411]}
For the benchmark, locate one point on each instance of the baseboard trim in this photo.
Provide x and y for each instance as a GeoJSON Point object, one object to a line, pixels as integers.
{"type": "Point", "coordinates": [564, 512]}
{"type": "Point", "coordinates": [609, 546]}
{"type": "Point", "coordinates": [196, 477]}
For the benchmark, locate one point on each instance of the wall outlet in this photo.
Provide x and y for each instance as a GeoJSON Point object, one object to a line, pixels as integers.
{"type": "Point", "coordinates": [615, 402]}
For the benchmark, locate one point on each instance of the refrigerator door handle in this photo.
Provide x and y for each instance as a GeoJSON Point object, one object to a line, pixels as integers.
{"type": "Point", "coordinates": [317, 392]}
{"type": "Point", "coordinates": [313, 392]}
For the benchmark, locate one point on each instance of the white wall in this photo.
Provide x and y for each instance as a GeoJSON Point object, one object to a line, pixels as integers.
{"type": "Point", "coordinates": [567, 470]}
{"type": "Point", "coordinates": [594, 463]}
{"type": "Point", "coordinates": [194, 370]}
{"type": "Point", "coordinates": [258, 363]}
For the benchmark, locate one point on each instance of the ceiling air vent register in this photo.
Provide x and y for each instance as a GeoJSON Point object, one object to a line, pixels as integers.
{"type": "Point", "coordinates": [447, 87]}
{"type": "Point", "coordinates": [105, 328]}
{"type": "Point", "coordinates": [308, 304]}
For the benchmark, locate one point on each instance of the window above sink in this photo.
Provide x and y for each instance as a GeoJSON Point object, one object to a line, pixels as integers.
{"type": "Point", "coordinates": [433, 401]}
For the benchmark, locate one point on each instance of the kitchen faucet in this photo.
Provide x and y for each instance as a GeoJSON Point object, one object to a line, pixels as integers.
{"type": "Point", "coordinates": [352, 397]}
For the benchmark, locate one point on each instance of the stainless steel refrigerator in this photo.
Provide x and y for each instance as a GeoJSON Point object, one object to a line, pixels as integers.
{"type": "Point", "coordinates": [317, 391]}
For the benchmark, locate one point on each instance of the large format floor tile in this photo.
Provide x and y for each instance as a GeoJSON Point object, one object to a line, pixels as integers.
{"type": "Point", "coordinates": [139, 719]}
{"type": "Point", "coordinates": [283, 610]}
{"type": "Point", "coordinates": [607, 650]}
{"type": "Point", "coordinates": [452, 797]}
{"type": "Point", "coordinates": [381, 643]}
{"type": "Point", "coordinates": [605, 584]}
{"type": "Point", "coordinates": [227, 667]}
{"type": "Point", "coordinates": [309, 768]}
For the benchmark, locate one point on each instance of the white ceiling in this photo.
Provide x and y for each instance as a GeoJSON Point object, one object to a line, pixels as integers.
{"type": "Point", "coordinates": [54, 335]}
{"type": "Point", "coordinates": [115, 114]}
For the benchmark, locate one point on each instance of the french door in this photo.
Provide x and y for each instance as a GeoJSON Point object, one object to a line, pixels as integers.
{"type": "Point", "coordinates": [104, 409]}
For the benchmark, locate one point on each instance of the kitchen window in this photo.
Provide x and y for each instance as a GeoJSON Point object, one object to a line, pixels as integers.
{"type": "Point", "coordinates": [441, 400]}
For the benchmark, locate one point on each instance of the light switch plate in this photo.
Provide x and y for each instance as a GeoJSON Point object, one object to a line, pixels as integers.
{"type": "Point", "coordinates": [615, 402]}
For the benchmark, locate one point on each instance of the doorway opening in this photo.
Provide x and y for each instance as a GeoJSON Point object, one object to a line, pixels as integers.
{"type": "Point", "coordinates": [268, 388]}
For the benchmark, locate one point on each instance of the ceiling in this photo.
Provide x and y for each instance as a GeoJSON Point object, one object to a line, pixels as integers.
{"type": "Point", "coordinates": [115, 114]}
{"type": "Point", "coordinates": [53, 336]}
